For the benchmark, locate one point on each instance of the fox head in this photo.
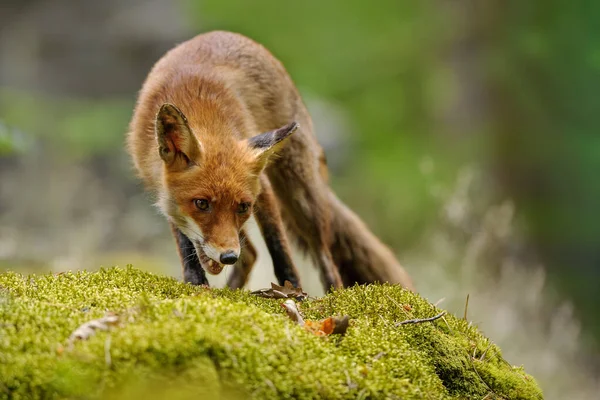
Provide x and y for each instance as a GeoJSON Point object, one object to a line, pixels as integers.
{"type": "Point", "coordinates": [210, 187]}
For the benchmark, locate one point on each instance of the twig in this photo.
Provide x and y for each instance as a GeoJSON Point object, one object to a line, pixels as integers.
{"type": "Point", "coordinates": [466, 307]}
{"type": "Point", "coordinates": [419, 320]}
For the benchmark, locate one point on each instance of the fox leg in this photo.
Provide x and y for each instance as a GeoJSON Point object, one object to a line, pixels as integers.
{"type": "Point", "coordinates": [303, 192]}
{"type": "Point", "coordinates": [192, 270]}
{"type": "Point", "coordinates": [269, 220]}
{"type": "Point", "coordinates": [241, 270]}
{"type": "Point", "coordinates": [310, 219]}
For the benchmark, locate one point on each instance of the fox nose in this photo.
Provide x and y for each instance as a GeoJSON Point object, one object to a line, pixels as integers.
{"type": "Point", "coordinates": [228, 257]}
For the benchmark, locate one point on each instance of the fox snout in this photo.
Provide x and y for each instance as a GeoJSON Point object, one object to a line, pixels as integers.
{"type": "Point", "coordinates": [225, 255]}
{"type": "Point", "coordinates": [228, 257]}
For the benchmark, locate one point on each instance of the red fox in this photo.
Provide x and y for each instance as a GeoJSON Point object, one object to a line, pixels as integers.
{"type": "Point", "coordinates": [220, 132]}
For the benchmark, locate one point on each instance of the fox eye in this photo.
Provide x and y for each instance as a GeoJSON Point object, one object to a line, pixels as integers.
{"type": "Point", "coordinates": [243, 208]}
{"type": "Point", "coordinates": [202, 204]}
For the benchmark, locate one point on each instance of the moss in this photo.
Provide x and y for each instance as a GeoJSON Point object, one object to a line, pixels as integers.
{"type": "Point", "coordinates": [186, 342]}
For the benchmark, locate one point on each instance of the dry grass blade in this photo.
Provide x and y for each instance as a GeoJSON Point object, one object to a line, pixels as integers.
{"type": "Point", "coordinates": [484, 382]}
{"type": "Point", "coordinates": [440, 301]}
{"type": "Point", "coordinates": [485, 352]}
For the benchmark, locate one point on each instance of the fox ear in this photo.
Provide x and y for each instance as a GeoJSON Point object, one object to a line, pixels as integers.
{"type": "Point", "coordinates": [177, 145]}
{"type": "Point", "coordinates": [268, 143]}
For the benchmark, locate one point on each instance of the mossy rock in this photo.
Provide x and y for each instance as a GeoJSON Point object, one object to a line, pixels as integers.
{"type": "Point", "coordinates": [176, 340]}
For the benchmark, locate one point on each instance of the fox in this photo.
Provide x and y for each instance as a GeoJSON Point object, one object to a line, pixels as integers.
{"type": "Point", "coordinates": [219, 132]}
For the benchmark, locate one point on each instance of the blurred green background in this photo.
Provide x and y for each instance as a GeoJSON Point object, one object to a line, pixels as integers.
{"type": "Point", "coordinates": [463, 132]}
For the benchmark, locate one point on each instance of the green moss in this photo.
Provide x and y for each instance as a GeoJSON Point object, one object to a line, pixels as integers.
{"type": "Point", "coordinates": [186, 342]}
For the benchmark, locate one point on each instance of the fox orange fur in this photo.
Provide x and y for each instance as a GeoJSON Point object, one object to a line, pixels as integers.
{"type": "Point", "coordinates": [219, 132]}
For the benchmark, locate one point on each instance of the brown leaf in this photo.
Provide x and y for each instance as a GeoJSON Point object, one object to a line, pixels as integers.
{"type": "Point", "coordinates": [340, 325]}
{"type": "Point", "coordinates": [324, 327]}
{"type": "Point", "coordinates": [292, 311]}
{"type": "Point", "coordinates": [287, 291]}
{"type": "Point", "coordinates": [279, 295]}
{"type": "Point", "coordinates": [328, 326]}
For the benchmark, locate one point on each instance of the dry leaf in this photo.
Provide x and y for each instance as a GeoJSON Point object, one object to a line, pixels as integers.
{"type": "Point", "coordinates": [287, 291]}
{"type": "Point", "coordinates": [328, 326]}
{"type": "Point", "coordinates": [292, 312]}
{"type": "Point", "coordinates": [324, 327]}
{"type": "Point", "coordinates": [88, 329]}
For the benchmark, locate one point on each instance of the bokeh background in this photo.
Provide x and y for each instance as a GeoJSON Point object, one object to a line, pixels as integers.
{"type": "Point", "coordinates": [464, 132]}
